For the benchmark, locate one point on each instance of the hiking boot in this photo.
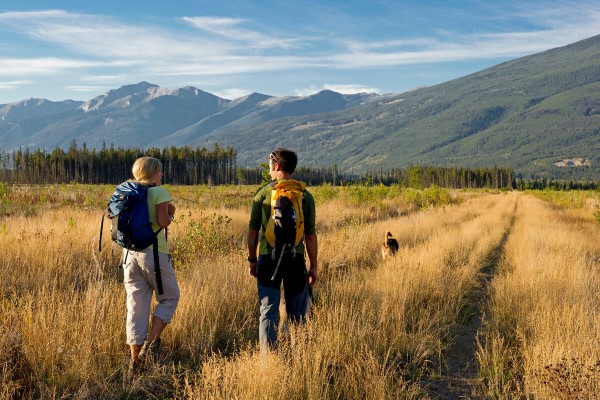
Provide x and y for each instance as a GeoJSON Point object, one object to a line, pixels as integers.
{"type": "Point", "coordinates": [150, 351]}
{"type": "Point", "coordinates": [133, 369]}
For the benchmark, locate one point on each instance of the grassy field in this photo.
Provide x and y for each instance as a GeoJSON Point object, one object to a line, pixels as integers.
{"type": "Point", "coordinates": [492, 295]}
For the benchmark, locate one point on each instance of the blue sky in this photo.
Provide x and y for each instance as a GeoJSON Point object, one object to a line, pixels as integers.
{"type": "Point", "coordinates": [80, 49]}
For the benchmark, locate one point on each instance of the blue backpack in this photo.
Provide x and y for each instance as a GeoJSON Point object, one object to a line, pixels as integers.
{"type": "Point", "coordinates": [131, 228]}
{"type": "Point", "coordinates": [127, 209]}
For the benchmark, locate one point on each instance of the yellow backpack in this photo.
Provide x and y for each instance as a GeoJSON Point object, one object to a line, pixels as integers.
{"type": "Point", "coordinates": [285, 228]}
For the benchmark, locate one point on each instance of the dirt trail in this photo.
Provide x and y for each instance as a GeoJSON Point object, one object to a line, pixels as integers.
{"type": "Point", "coordinates": [459, 375]}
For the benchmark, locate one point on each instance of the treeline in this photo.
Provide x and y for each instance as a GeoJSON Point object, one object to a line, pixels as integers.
{"type": "Point", "coordinates": [474, 178]}
{"type": "Point", "coordinates": [555, 184]}
{"type": "Point", "coordinates": [416, 177]}
{"type": "Point", "coordinates": [193, 166]}
{"type": "Point", "coordinates": [181, 165]}
{"type": "Point", "coordinates": [311, 175]}
{"type": "Point", "coordinates": [196, 166]}
{"type": "Point", "coordinates": [448, 177]}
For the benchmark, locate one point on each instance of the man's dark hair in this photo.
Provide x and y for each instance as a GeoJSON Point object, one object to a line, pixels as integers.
{"type": "Point", "coordinates": [287, 159]}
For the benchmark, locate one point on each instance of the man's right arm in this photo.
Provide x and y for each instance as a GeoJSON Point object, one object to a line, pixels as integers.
{"type": "Point", "coordinates": [253, 229]}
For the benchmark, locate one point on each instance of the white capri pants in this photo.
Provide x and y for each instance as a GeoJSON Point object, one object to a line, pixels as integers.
{"type": "Point", "coordinates": [140, 283]}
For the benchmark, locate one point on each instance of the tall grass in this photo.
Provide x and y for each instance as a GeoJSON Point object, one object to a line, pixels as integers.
{"type": "Point", "coordinates": [542, 335]}
{"type": "Point", "coordinates": [62, 314]}
{"type": "Point", "coordinates": [376, 328]}
{"type": "Point", "coordinates": [572, 199]}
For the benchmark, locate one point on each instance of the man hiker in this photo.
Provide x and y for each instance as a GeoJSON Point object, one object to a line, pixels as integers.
{"type": "Point", "coordinates": [285, 212]}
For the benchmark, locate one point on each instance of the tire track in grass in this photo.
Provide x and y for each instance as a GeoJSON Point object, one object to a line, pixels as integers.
{"type": "Point", "coordinates": [459, 375]}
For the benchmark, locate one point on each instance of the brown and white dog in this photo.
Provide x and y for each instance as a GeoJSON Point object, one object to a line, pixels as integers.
{"type": "Point", "coordinates": [389, 246]}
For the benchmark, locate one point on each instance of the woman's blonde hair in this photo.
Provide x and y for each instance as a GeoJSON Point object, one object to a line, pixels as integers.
{"type": "Point", "coordinates": [145, 169]}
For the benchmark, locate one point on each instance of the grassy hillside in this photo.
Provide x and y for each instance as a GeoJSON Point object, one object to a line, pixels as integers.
{"type": "Point", "coordinates": [526, 114]}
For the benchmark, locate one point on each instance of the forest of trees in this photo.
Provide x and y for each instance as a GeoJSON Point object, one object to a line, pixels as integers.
{"type": "Point", "coordinates": [195, 166]}
{"type": "Point", "coordinates": [555, 184]}
{"type": "Point", "coordinates": [471, 178]}
{"type": "Point", "coordinates": [448, 177]}
{"type": "Point", "coordinates": [181, 165]}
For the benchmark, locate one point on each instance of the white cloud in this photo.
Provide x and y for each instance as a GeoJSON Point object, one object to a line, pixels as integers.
{"type": "Point", "coordinates": [234, 50]}
{"type": "Point", "coordinates": [228, 28]}
{"type": "Point", "coordinates": [41, 66]}
{"type": "Point", "coordinates": [231, 93]}
{"type": "Point", "coordinates": [105, 38]}
{"type": "Point", "coordinates": [89, 88]}
{"type": "Point", "coordinates": [12, 85]}
{"type": "Point", "coordinates": [105, 78]}
{"type": "Point", "coordinates": [16, 16]}
{"type": "Point", "coordinates": [474, 47]}
{"type": "Point", "coordinates": [340, 88]}
{"type": "Point", "coordinates": [227, 65]}
{"type": "Point", "coordinates": [555, 26]}
{"type": "Point", "coordinates": [214, 24]}
{"type": "Point", "coordinates": [351, 89]}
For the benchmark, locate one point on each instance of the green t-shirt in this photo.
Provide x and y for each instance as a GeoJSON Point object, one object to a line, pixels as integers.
{"type": "Point", "coordinates": [158, 195]}
{"type": "Point", "coordinates": [261, 212]}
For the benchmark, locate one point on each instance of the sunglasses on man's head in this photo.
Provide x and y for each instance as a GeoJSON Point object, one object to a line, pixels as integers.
{"type": "Point", "coordinates": [273, 157]}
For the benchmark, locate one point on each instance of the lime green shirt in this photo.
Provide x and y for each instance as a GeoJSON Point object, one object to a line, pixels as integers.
{"type": "Point", "coordinates": [261, 212]}
{"type": "Point", "coordinates": [158, 195]}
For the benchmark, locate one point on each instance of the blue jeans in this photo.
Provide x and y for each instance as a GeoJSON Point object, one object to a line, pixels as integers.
{"type": "Point", "coordinates": [292, 272]}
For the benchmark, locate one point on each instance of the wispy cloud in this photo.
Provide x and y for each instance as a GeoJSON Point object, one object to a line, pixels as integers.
{"type": "Point", "coordinates": [340, 88]}
{"type": "Point", "coordinates": [554, 27]}
{"type": "Point", "coordinates": [232, 93]}
{"type": "Point", "coordinates": [105, 38]}
{"type": "Point", "coordinates": [43, 66]}
{"type": "Point", "coordinates": [106, 78]}
{"type": "Point", "coordinates": [87, 88]}
{"type": "Point", "coordinates": [12, 85]}
{"type": "Point", "coordinates": [233, 49]}
{"type": "Point", "coordinates": [229, 28]}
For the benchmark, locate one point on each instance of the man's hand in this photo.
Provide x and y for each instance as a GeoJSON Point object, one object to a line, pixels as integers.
{"type": "Point", "coordinates": [312, 250]}
{"type": "Point", "coordinates": [312, 276]}
{"type": "Point", "coordinates": [252, 268]}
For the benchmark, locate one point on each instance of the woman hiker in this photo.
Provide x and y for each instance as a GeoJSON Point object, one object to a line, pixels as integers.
{"type": "Point", "coordinates": [139, 271]}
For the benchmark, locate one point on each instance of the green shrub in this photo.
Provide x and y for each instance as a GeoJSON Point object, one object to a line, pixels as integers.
{"type": "Point", "coordinates": [206, 236]}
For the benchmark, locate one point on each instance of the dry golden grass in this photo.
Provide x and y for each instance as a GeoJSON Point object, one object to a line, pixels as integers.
{"type": "Point", "coordinates": [375, 330]}
{"type": "Point", "coordinates": [542, 339]}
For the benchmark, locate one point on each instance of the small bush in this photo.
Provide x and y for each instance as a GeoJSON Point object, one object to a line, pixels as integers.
{"type": "Point", "coordinates": [206, 236]}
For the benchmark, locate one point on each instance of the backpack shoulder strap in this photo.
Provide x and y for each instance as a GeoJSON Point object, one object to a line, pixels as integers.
{"type": "Point", "coordinates": [100, 239]}
{"type": "Point", "coordinates": [159, 285]}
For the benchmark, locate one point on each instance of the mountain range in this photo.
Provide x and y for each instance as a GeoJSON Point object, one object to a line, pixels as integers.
{"type": "Point", "coordinates": [538, 114]}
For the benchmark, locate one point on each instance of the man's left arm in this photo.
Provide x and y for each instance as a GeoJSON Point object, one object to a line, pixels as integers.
{"type": "Point", "coordinates": [310, 238]}
{"type": "Point", "coordinates": [312, 251]}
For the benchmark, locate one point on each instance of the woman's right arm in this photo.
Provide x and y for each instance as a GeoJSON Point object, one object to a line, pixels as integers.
{"type": "Point", "coordinates": [162, 214]}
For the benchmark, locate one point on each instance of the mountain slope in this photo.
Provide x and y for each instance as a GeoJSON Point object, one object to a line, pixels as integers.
{"type": "Point", "coordinates": [257, 108]}
{"type": "Point", "coordinates": [21, 120]}
{"type": "Point", "coordinates": [233, 111]}
{"type": "Point", "coordinates": [146, 115]}
{"type": "Point", "coordinates": [525, 113]}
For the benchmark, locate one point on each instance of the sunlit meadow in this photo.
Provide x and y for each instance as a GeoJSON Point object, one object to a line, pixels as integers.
{"type": "Point", "coordinates": [377, 329]}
